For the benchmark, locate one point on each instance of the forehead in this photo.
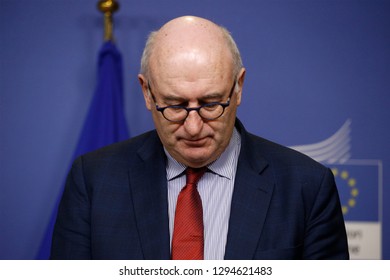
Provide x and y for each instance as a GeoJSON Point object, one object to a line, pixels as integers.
{"type": "Point", "coordinates": [190, 52]}
{"type": "Point", "coordinates": [191, 64]}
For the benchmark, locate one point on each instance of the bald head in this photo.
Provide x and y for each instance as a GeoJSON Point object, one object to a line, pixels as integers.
{"type": "Point", "coordinates": [191, 40]}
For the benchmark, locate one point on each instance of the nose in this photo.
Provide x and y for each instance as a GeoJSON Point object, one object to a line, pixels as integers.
{"type": "Point", "coordinates": [193, 123]}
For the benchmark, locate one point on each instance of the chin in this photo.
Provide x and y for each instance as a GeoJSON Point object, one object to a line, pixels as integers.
{"type": "Point", "coordinates": [198, 161]}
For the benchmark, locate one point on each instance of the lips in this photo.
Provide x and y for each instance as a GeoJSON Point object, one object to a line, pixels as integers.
{"type": "Point", "coordinates": [195, 142]}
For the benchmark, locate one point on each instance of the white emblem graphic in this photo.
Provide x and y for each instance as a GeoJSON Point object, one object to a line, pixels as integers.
{"type": "Point", "coordinates": [335, 149]}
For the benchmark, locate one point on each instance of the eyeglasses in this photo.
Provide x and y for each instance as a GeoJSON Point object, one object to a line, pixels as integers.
{"type": "Point", "coordinates": [208, 111]}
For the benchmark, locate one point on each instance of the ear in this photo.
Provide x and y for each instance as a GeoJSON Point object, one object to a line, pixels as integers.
{"type": "Point", "coordinates": [240, 85]}
{"type": "Point", "coordinates": [145, 90]}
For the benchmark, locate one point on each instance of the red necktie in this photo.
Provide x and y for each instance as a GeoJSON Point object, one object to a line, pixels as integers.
{"type": "Point", "coordinates": [188, 240]}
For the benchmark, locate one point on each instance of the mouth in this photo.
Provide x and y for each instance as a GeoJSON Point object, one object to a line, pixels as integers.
{"type": "Point", "coordinates": [195, 143]}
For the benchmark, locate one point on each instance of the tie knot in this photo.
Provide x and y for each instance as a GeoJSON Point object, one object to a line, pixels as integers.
{"type": "Point", "coordinates": [194, 174]}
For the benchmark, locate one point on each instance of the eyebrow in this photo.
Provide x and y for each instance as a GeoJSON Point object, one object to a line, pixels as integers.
{"type": "Point", "coordinates": [178, 99]}
{"type": "Point", "coordinates": [172, 98]}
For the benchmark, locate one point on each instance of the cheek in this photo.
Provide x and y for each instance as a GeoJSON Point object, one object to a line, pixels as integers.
{"type": "Point", "coordinates": [222, 136]}
{"type": "Point", "coordinates": [224, 125]}
{"type": "Point", "coordinates": [223, 130]}
{"type": "Point", "coordinates": [167, 131]}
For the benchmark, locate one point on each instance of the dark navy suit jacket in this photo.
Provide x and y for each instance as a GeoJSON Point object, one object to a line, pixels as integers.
{"type": "Point", "coordinates": [114, 206]}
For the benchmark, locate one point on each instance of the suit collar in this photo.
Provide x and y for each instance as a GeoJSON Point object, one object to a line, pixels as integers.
{"type": "Point", "coordinates": [251, 150]}
{"type": "Point", "coordinates": [148, 187]}
{"type": "Point", "coordinates": [251, 197]}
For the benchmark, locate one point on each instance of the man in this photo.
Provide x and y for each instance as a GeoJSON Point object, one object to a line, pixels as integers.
{"type": "Point", "coordinates": [258, 200]}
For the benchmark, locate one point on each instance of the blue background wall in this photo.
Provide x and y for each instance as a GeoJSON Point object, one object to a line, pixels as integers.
{"type": "Point", "coordinates": [311, 65]}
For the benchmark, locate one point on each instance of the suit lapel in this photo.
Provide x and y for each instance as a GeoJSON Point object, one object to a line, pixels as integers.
{"type": "Point", "coordinates": [251, 197]}
{"type": "Point", "coordinates": [148, 186]}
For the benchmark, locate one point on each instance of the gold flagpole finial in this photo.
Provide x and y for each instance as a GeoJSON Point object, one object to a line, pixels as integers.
{"type": "Point", "coordinates": [108, 7]}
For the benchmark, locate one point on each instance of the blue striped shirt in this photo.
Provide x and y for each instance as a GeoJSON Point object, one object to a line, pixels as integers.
{"type": "Point", "coordinates": [215, 189]}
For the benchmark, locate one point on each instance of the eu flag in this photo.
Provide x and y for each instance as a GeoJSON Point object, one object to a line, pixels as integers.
{"type": "Point", "coordinates": [358, 184]}
{"type": "Point", "coordinates": [105, 123]}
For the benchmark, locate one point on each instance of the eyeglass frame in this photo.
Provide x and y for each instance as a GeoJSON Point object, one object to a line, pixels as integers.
{"type": "Point", "coordinates": [197, 109]}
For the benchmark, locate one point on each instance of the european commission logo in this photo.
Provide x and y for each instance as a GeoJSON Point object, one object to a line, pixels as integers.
{"type": "Point", "coordinates": [360, 183]}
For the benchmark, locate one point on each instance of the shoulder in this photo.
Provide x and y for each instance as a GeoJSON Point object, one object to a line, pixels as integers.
{"type": "Point", "coordinates": [274, 153]}
{"type": "Point", "coordinates": [121, 153]}
{"type": "Point", "coordinates": [281, 161]}
{"type": "Point", "coordinates": [277, 153]}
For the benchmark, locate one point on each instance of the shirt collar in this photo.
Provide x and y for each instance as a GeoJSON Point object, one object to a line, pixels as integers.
{"type": "Point", "coordinates": [224, 166]}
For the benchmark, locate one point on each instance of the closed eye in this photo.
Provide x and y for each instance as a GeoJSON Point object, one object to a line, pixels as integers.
{"type": "Point", "coordinates": [210, 106]}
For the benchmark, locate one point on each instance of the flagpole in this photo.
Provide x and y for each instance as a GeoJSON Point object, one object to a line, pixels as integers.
{"type": "Point", "coordinates": [108, 8]}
